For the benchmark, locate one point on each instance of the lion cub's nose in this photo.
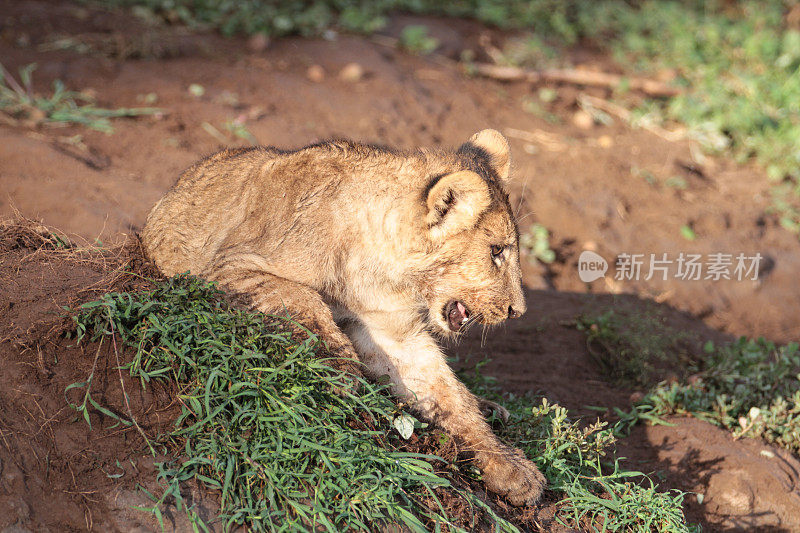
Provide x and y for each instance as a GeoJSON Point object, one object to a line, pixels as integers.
{"type": "Point", "coordinates": [515, 312]}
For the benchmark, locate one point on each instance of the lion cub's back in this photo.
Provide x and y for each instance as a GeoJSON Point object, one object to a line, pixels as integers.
{"type": "Point", "coordinates": [186, 227]}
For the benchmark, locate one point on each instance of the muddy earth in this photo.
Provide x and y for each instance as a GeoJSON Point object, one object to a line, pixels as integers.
{"type": "Point", "coordinates": [595, 187]}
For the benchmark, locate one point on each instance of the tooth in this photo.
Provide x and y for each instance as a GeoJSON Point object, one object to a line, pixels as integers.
{"type": "Point", "coordinates": [463, 320]}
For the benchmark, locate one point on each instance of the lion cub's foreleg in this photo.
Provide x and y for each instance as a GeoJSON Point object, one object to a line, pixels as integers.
{"type": "Point", "coordinates": [421, 376]}
{"type": "Point", "coordinates": [272, 294]}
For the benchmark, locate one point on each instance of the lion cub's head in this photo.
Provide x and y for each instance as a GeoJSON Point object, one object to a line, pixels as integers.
{"type": "Point", "coordinates": [476, 276]}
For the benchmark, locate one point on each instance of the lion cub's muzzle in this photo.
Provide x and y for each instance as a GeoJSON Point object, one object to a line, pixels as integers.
{"type": "Point", "coordinates": [457, 315]}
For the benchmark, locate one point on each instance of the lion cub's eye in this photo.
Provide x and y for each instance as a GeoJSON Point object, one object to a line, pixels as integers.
{"type": "Point", "coordinates": [497, 250]}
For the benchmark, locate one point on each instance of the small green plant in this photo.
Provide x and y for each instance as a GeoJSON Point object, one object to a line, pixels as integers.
{"type": "Point", "coordinates": [21, 104]}
{"type": "Point", "coordinates": [535, 107]}
{"type": "Point", "coordinates": [238, 128]}
{"type": "Point", "coordinates": [415, 39]}
{"type": "Point", "coordinates": [676, 182]}
{"type": "Point", "coordinates": [529, 50]}
{"type": "Point", "coordinates": [630, 347]}
{"type": "Point", "coordinates": [688, 233]}
{"type": "Point", "coordinates": [644, 174]}
{"type": "Point", "coordinates": [751, 387]}
{"type": "Point", "coordinates": [537, 242]}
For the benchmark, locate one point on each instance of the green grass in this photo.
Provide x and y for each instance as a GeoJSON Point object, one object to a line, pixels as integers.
{"type": "Point", "coordinates": [739, 65]}
{"type": "Point", "coordinates": [416, 40]}
{"type": "Point", "coordinates": [750, 387]}
{"type": "Point", "coordinates": [262, 425]}
{"type": "Point", "coordinates": [536, 241]}
{"type": "Point", "coordinates": [577, 460]}
{"type": "Point", "coordinates": [260, 420]}
{"type": "Point", "coordinates": [313, 17]}
{"type": "Point", "coordinates": [634, 348]}
{"type": "Point", "coordinates": [20, 103]}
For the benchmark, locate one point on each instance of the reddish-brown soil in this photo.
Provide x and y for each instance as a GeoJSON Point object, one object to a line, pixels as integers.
{"type": "Point", "coordinates": [584, 184]}
{"type": "Point", "coordinates": [55, 473]}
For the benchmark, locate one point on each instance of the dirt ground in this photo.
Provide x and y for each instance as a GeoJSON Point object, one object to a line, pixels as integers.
{"type": "Point", "coordinates": [587, 185]}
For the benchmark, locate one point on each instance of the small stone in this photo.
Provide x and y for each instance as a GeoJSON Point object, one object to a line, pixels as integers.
{"type": "Point", "coordinates": [315, 73]}
{"type": "Point", "coordinates": [605, 141]}
{"type": "Point", "coordinates": [351, 72]}
{"type": "Point", "coordinates": [258, 42]}
{"type": "Point", "coordinates": [23, 40]}
{"type": "Point", "coordinates": [667, 75]}
{"type": "Point", "coordinates": [583, 120]}
{"type": "Point", "coordinates": [636, 397]}
{"type": "Point", "coordinates": [36, 115]}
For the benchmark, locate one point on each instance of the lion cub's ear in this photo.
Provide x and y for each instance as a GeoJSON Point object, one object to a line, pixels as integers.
{"type": "Point", "coordinates": [496, 147]}
{"type": "Point", "coordinates": [454, 203]}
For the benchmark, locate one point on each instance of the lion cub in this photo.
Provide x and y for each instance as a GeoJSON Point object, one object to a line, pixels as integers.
{"type": "Point", "coordinates": [377, 250]}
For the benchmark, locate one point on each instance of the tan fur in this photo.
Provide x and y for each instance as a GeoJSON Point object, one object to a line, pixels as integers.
{"type": "Point", "coordinates": [366, 246]}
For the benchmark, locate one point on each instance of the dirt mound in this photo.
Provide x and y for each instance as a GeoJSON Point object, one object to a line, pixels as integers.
{"type": "Point", "coordinates": [55, 472]}
{"type": "Point", "coordinates": [742, 485]}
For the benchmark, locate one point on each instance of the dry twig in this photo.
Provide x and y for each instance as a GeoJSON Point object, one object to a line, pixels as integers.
{"type": "Point", "coordinates": [625, 115]}
{"type": "Point", "coordinates": [575, 77]}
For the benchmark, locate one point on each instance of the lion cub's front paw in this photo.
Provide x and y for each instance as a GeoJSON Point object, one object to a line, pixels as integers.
{"type": "Point", "coordinates": [509, 473]}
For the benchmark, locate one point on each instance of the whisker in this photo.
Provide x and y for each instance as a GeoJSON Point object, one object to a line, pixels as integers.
{"type": "Point", "coordinates": [519, 220]}
{"type": "Point", "coordinates": [521, 197]}
{"type": "Point", "coordinates": [472, 320]}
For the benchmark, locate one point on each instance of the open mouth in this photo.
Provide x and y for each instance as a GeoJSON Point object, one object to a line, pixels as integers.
{"type": "Point", "coordinates": [456, 314]}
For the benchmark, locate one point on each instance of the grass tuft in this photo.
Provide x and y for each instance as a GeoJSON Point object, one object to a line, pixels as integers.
{"type": "Point", "coordinates": [633, 348]}
{"type": "Point", "coordinates": [20, 104]}
{"type": "Point", "coordinates": [750, 387]}
{"type": "Point", "coordinates": [260, 420]}
{"type": "Point", "coordinates": [597, 495]}
{"type": "Point", "coordinates": [262, 426]}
